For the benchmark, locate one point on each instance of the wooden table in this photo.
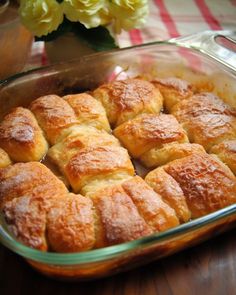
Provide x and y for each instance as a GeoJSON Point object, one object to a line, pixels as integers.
{"type": "Point", "coordinates": [207, 269]}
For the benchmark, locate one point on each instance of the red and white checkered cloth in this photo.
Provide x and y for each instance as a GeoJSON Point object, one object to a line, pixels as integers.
{"type": "Point", "coordinates": [167, 19]}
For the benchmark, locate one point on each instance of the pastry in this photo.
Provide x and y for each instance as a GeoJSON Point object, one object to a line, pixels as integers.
{"type": "Point", "coordinates": [21, 136]}
{"type": "Point", "coordinates": [77, 138]}
{"type": "Point", "coordinates": [148, 131]}
{"type": "Point", "coordinates": [40, 211]}
{"type": "Point", "coordinates": [173, 90]}
{"type": "Point", "coordinates": [115, 205]}
{"type": "Point", "coordinates": [54, 116]}
{"type": "Point", "coordinates": [169, 152]}
{"type": "Point", "coordinates": [28, 179]}
{"type": "Point", "coordinates": [155, 139]}
{"type": "Point", "coordinates": [123, 100]}
{"type": "Point", "coordinates": [207, 184]}
{"type": "Point", "coordinates": [207, 120]}
{"type": "Point", "coordinates": [95, 163]}
{"type": "Point", "coordinates": [88, 110]}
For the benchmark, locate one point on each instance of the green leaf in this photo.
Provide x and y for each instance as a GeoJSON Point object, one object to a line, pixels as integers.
{"type": "Point", "coordinates": [98, 38]}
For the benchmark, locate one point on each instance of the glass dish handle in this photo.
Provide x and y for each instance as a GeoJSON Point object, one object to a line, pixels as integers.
{"type": "Point", "coordinates": [219, 45]}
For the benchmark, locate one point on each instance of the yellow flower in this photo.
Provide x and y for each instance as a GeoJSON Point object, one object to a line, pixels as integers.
{"type": "Point", "coordinates": [129, 14]}
{"type": "Point", "coordinates": [41, 16]}
{"type": "Point", "coordinates": [90, 13]}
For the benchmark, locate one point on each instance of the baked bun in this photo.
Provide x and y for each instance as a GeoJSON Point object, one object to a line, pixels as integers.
{"type": "Point", "coordinates": [207, 120]}
{"type": "Point", "coordinates": [129, 211]}
{"type": "Point", "coordinates": [170, 191]}
{"type": "Point", "coordinates": [28, 179]}
{"type": "Point", "coordinates": [173, 90]}
{"type": "Point", "coordinates": [54, 115]}
{"type": "Point", "coordinates": [95, 163]}
{"type": "Point", "coordinates": [26, 219]}
{"type": "Point", "coordinates": [70, 224]}
{"type": "Point", "coordinates": [207, 184]}
{"type": "Point", "coordinates": [123, 100]}
{"type": "Point", "coordinates": [157, 214]}
{"type": "Point", "coordinates": [77, 138]}
{"type": "Point", "coordinates": [88, 110]}
{"type": "Point", "coordinates": [169, 152]}
{"type": "Point", "coordinates": [64, 223]}
{"type": "Point", "coordinates": [41, 213]}
{"type": "Point", "coordinates": [117, 218]}
{"type": "Point", "coordinates": [148, 131]}
{"type": "Point", "coordinates": [21, 136]}
{"type": "Point", "coordinates": [226, 151]}
{"type": "Point", "coordinates": [4, 159]}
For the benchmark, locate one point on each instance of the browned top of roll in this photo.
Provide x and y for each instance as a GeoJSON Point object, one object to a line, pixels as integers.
{"type": "Point", "coordinates": [97, 161]}
{"type": "Point", "coordinates": [126, 98]}
{"type": "Point", "coordinates": [201, 104]}
{"type": "Point", "coordinates": [126, 94]}
{"type": "Point", "coordinates": [150, 205]}
{"type": "Point", "coordinates": [62, 224]}
{"type": "Point", "coordinates": [181, 86]}
{"type": "Point", "coordinates": [21, 136]}
{"type": "Point", "coordinates": [19, 126]}
{"type": "Point", "coordinates": [28, 179]}
{"type": "Point", "coordinates": [118, 219]}
{"type": "Point", "coordinates": [53, 114]}
{"type": "Point", "coordinates": [26, 218]}
{"type": "Point", "coordinates": [88, 110]}
{"type": "Point", "coordinates": [173, 90]}
{"type": "Point", "coordinates": [70, 224]}
{"type": "Point", "coordinates": [207, 183]}
{"type": "Point", "coordinates": [148, 131]}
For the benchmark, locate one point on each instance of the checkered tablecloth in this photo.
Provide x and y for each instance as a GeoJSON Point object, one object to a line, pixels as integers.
{"type": "Point", "coordinates": [167, 18]}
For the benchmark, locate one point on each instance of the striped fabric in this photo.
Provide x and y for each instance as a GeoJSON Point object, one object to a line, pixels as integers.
{"type": "Point", "coordinates": [167, 19]}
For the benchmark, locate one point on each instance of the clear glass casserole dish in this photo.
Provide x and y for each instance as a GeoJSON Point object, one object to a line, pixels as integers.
{"type": "Point", "coordinates": [198, 59]}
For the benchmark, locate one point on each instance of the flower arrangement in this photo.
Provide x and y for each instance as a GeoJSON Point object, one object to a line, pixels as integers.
{"type": "Point", "coordinates": [92, 21]}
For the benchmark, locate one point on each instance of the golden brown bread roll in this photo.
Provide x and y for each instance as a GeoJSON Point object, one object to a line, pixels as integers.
{"type": "Point", "coordinates": [95, 163]}
{"type": "Point", "coordinates": [63, 223]}
{"type": "Point", "coordinates": [54, 115]}
{"type": "Point", "coordinates": [41, 213]}
{"type": "Point", "coordinates": [79, 137]}
{"type": "Point", "coordinates": [157, 214]}
{"type": "Point", "coordinates": [201, 104]}
{"type": "Point", "coordinates": [123, 100]}
{"type": "Point", "coordinates": [4, 159]}
{"type": "Point", "coordinates": [28, 179]}
{"type": "Point", "coordinates": [169, 152]}
{"type": "Point", "coordinates": [173, 90]}
{"type": "Point", "coordinates": [207, 120]}
{"type": "Point", "coordinates": [26, 219]}
{"type": "Point", "coordinates": [70, 224]}
{"type": "Point", "coordinates": [208, 185]}
{"type": "Point", "coordinates": [88, 110]}
{"type": "Point", "coordinates": [170, 191]}
{"type": "Point", "coordinates": [117, 218]}
{"type": "Point", "coordinates": [21, 136]}
{"type": "Point", "coordinates": [147, 131]}
{"type": "Point", "coordinates": [226, 151]}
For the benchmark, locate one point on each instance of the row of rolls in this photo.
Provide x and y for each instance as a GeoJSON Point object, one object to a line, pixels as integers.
{"type": "Point", "coordinates": [187, 140]}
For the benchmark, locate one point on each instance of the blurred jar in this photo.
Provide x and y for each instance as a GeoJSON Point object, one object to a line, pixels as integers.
{"type": "Point", "coordinates": [15, 41]}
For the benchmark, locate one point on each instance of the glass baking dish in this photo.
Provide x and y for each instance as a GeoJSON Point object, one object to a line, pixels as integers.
{"type": "Point", "coordinates": [198, 59]}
